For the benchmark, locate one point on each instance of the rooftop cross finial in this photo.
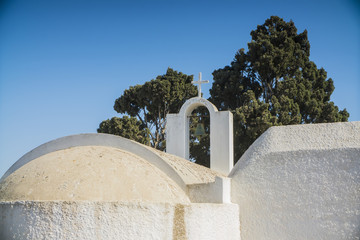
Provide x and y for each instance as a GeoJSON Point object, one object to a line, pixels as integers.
{"type": "Point", "coordinates": [200, 82]}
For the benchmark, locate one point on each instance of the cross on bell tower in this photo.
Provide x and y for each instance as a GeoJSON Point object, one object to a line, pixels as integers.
{"type": "Point", "coordinates": [200, 82]}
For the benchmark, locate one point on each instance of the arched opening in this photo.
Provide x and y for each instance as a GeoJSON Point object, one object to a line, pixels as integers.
{"type": "Point", "coordinates": [199, 136]}
{"type": "Point", "coordinates": [221, 135]}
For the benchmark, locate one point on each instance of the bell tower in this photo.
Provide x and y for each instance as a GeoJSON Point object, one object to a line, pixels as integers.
{"type": "Point", "coordinates": [221, 132]}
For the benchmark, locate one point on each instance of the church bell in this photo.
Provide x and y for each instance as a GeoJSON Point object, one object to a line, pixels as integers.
{"type": "Point", "coordinates": [200, 130]}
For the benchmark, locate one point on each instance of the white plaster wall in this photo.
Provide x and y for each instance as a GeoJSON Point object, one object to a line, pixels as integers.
{"type": "Point", "coordinates": [300, 182]}
{"type": "Point", "coordinates": [212, 221]}
{"type": "Point", "coordinates": [212, 192]}
{"type": "Point", "coordinates": [222, 157]}
{"type": "Point", "coordinates": [117, 220]}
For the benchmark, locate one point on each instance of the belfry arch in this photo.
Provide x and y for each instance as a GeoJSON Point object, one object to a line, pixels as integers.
{"type": "Point", "coordinates": [199, 133]}
{"type": "Point", "coordinates": [221, 134]}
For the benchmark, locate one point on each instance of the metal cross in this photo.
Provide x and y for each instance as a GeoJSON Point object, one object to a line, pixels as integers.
{"type": "Point", "coordinates": [200, 82]}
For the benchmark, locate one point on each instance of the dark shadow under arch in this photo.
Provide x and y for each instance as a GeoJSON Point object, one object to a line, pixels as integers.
{"type": "Point", "coordinates": [199, 146]}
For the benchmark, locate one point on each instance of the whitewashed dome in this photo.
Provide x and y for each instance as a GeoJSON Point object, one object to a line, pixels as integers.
{"type": "Point", "coordinates": [92, 173]}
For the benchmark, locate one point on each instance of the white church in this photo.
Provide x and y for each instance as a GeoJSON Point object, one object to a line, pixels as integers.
{"type": "Point", "coordinates": [294, 182]}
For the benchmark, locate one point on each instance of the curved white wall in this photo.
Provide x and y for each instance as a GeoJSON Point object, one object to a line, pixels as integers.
{"type": "Point", "coordinates": [99, 139]}
{"type": "Point", "coordinates": [300, 182]}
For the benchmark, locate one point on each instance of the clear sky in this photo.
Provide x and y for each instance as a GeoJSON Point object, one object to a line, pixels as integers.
{"type": "Point", "coordinates": [63, 63]}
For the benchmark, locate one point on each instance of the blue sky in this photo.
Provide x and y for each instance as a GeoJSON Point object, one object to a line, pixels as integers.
{"type": "Point", "coordinates": [63, 63]}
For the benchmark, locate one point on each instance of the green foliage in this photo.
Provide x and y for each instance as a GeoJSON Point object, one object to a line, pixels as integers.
{"type": "Point", "coordinates": [128, 127]}
{"type": "Point", "coordinates": [200, 145]}
{"type": "Point", "coordinates": [149, 103]}
{"type": "Point", "coordinates": [274, 83]}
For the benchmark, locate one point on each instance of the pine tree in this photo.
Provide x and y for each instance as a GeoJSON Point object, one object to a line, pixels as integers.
{"type": "Point", "coordinates": [147, 105]}
{"type": "Point", "coordinates": [273, 83]}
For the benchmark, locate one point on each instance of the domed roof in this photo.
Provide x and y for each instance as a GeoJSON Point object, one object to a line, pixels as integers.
{"type": "Point", "coordinates": [97, 173]}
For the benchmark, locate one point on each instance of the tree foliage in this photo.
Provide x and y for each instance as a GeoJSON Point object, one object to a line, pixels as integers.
{"type": "Point", "coordinates": [273, 83]}
{"type": "Point", "coordinates": [147, 105]}
{"type": "Point", "coordinates": [200, 145]}
{"type": "Point", "coordinates": [128, 127]}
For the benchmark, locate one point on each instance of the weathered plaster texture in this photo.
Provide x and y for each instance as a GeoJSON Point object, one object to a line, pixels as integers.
{"type": "Point", "coordinates": [117, 220]}
{"type": "Point", "coordinates": [300, 182]}
{"type": "Point", "coordinates": [99, 139]}
{"type": "Point", "coordinates": [99, 186]}
{"type": "Point", "coordinates": [95, 173]}
{"type": "Point", "coordinates": [190, 173]}
{"type": "Point", "coordinates": [178, 169]}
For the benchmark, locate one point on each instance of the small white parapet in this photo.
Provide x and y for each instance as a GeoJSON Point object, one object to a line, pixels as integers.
{"type": "Point", "coordinates": [212, 192]}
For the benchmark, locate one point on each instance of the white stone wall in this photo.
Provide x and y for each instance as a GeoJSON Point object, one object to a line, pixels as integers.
{"type": "Point", "coordinates": [300, 182]}
{"type": "Point", "coordinates": [212, 192]}
{"type": "Point", "coordinates": [117, 220]}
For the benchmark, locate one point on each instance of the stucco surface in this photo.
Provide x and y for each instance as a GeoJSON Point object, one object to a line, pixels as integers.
{"type": "Point", "coordinates": [99, 139]}
{"type": "Point", "coordinates": [117, 220]}
{"type": "Point", "coordinates": [300, 182]}
{"type": "Point", "coordinates": [90, 173]}
{"type": "Point", "coordinates": [213, 192]}
{"type": "Point", "coordinates": [191, 173]}
{"type": "Point", "coordinates": [182, 171]}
